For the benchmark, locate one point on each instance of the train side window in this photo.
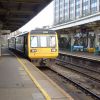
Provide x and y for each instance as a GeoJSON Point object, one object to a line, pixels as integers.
{"type": "Point", "coordinates": [21, 40]}
{"type": "Point", "coordinates": [17, 40]}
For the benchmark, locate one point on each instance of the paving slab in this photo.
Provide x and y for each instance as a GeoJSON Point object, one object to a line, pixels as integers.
{"type": "Point", "coordinates": [15, 84]}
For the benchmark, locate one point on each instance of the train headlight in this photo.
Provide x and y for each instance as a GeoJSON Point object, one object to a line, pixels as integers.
{"type": "Point", "coordinates": [53, 50]}
{"type": "Point", "coordinates": [33, 50]}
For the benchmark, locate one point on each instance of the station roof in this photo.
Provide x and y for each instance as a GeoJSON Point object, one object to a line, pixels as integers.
{"type": "Point", "coordinates": [15, 13]}
{"type": "Point", "coordinates": [90, 22]}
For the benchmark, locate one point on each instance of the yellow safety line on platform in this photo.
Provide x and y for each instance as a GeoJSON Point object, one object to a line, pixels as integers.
{"type": "Point", "coordinates": [34, 80]}
{"type": "Point", "coordinates": [54, 84]}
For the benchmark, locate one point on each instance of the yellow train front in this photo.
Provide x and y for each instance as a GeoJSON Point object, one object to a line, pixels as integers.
{"type": "Point", "coordinates": [38, 45]}
{"type": "Point", "coordinates": [42, 44]}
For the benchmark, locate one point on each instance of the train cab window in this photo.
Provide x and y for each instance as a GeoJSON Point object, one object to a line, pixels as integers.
{"type": "Point", "coordinates": [52, 41]}
{"type": "Point", "coordinates": [34, 41]}
{"type": "Point", "coordinates": [43, 41]}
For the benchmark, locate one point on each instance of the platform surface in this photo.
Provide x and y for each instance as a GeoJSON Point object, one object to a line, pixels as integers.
{"type": "Point", "coordinates": [16, 84]}
{"type": "Point", "coordinates": [86, 55]}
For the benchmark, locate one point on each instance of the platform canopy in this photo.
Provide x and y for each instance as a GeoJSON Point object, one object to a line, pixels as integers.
{"type": "Point", "coordinates": [15, 13]}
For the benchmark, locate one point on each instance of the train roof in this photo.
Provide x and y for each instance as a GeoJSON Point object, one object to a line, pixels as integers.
{"type": "Point", "coordinates": [37, 31]}
{"type": "Point", "coordinates": [42, 31]}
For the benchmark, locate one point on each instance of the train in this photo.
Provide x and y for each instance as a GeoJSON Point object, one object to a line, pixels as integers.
{"type": "Point", "coordinates": [40, 46]}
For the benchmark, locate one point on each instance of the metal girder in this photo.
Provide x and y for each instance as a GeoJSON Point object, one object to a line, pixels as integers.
{"type": "Point", "coordinates": [11, 27]}
{"type": "Point", "coordinates": [21, 12]}
{"type": "Point", "coordinates": [17, 19]}
{"type": "Point", "coordinates": [24, 1]}
{"type": "Point", "coordinates": [14, 24]}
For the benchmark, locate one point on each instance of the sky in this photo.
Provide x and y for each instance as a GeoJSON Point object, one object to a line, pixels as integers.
{"type": "Point", "coordinates": [44, 18]}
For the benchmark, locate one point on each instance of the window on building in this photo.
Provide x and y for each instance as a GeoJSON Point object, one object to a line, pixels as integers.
{"type": "Point", "coordinates": [77, 0]}
{"type": "Point", "coordinates": [77, 9]}
{"type": "Point", "coordinates": [78, 14]}
{"type": "Point", "coordinates": [93, 6]}
{"type": "Point", "coordinates": [71, 9]}
{"type": "Point", "coordinates": [61, 11]}
{"type": "Point", "coordinates": [66, 10]}
{"type": "Point", "coordinates": [56, 13]}
{"type": "Point", "coordinates": [85, 7]}
{"type": "Point", "coordinates": [71, 2]}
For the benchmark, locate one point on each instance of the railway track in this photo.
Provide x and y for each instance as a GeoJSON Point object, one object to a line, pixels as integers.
{"type": "Point", "coordinates": [76, 93]}
{"type": "Point", "coordinates": [86, 67]}
{"type": "Point", "coordinates": [77, 84]}
{"type": "Point", "coordinates": [92, 74]}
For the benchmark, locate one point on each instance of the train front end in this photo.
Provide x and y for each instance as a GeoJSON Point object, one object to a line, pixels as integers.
{"type": "Point", "coordinates": [43, 44]}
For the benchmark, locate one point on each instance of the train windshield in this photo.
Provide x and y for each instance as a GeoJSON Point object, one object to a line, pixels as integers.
{"type": "Point", "coordinates": [52, 41]}
{"type": "Point", "coordinates": [43, 41]}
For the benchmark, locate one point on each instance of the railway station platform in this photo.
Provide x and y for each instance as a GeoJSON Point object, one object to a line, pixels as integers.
{"type": "Point", "coordinates": [21, 80]}
{"type": "Point", "coordinates": [85, 55]}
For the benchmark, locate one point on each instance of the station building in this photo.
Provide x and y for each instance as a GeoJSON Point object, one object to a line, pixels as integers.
{"type": "Point", "coordinates": [78, 24]}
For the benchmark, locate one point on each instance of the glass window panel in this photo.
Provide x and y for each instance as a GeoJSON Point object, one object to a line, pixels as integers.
{"type": "Point", "coordinates": [71, 1]}
{"type": "Point", "coordinates": [71, 8]}
{"type": "Point", "coordinates": [33, 41]}
{"type": "Point", "coordinates": [85, 7]}
{"type": "Point", "coordinates": [94, 9]}
{"type": "Point", "coordinates": [71, 16]}
{"type": "Point", "coordinates": [52, 41]}
{"type": "Point", "coordinates": [77, 0]}
{"type": "Point", "coordinates": [43, 41]}
{"type": "Point", "coordinates": [93, 1]}
{"type": "Point", "coordinates": [77, 10]}
{"type": "Point", "coordinates": [93, 4]}
{"type": "Point", "coordinates": [77, 3]}
{"type": "Point", "coordinates": [77, 6]}
{"type": "Point", "coordinates": [77, 14]}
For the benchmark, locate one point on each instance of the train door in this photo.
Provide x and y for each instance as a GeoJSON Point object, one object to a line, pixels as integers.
{"type": "Point", "coordinates": [26, 45]}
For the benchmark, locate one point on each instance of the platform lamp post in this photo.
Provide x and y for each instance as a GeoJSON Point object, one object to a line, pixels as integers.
{"type": "Point", "coordinates": [72, 42]}
{"type": "Point", "coordinates": [72, 32]}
